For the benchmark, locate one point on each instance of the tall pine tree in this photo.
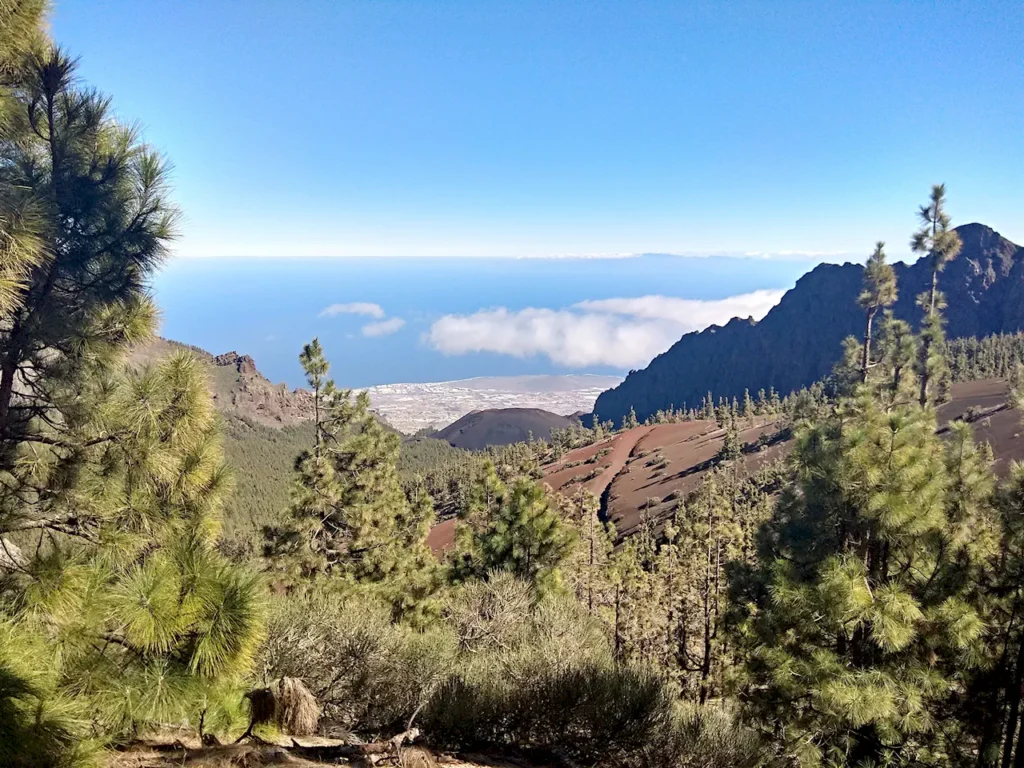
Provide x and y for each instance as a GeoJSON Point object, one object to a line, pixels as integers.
{"type": "Point", "coordinates": [879, 291]}
{"type": "Point", "coordinates": [939, 242]}
{"type": "Point", "coordinates": [864, 619]}
{"type": "Point", "coordinates": [350, 522]}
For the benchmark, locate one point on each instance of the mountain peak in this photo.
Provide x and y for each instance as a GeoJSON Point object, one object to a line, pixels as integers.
{"type": "Point", "coordinates": [798, 341]}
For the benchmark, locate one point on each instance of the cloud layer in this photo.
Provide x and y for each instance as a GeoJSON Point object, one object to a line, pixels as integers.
{"type": "Point", "coordinates": [355, 308]}
{"type": "Point", "coordinates": [623, 333]}
{"type": "Point", "coordinates": [383, 328]}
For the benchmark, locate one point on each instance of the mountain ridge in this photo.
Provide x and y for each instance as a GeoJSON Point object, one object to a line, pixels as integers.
{"type": "Point", "coordinates": [798, 341]}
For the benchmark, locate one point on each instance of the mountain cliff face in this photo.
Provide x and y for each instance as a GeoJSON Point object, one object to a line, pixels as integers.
{"type": "Point", "coordinates": [237, 386]}
{"type": "Point", "coordinates": [799, 340]}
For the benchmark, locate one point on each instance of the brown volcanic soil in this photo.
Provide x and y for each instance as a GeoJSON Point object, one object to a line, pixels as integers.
{"type": "Point", "coordinates": [655, 465]}
{"type": "Point", "coordinates": [667, 462]}
{"type": "Point", "coordinates": [983, 403]}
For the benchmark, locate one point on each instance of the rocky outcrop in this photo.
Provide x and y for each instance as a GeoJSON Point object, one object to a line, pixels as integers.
{"type": "Point", "coordinates": [799, 340]}
{"type": "Point", "coordinates": [241, 363]}
{"type": "Point", "coordinates": [237, 386]}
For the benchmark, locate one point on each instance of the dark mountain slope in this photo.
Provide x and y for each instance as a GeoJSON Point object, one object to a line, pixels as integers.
{"type": "Point", "coordinates": [502, 426]}
{"type": "Point", "coordinates": [799, 340]}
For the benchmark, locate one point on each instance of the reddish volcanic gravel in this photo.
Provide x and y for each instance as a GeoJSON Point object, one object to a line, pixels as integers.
{"type": "Point", "coordinates": [655, 465]}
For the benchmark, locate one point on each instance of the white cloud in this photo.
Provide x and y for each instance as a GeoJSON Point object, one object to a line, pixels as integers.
{"type": "Point", "coordinates": [355, 308]}
{"type": "Point", "coordinates": [383, 328]}
{"type": "Point", "coordinates": [693, 313]}
{"type": "Point", "coordinates": [624, 333]}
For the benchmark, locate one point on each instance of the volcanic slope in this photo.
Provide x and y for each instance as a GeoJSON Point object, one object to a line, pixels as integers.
{"type": "Point", "coordinates": [502, 426]}
{"type": "Point", "coordinates": [650, 468]}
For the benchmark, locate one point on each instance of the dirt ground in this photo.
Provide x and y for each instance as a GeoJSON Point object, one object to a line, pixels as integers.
{"type": "Point", "coordinates": [186, 752]}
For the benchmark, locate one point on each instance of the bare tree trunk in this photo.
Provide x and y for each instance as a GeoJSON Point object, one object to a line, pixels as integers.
{"type": "Point", "coordinates": [866, 359]}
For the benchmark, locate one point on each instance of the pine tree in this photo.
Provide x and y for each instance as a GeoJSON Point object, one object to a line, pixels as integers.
{"type": "Point", "coordinates": [630, 420]}
{"type": "Point", "coordinates": [939, 241]}
{"type": "Point", "coordinates": [20, 226]}
{"type": "Point", "coordinates": [512, 528]}
{"type": "Point", "coordinates": [879, 291]}
{"type": "Point", "coordinates": [350, 521]}
{"type": "Point", "coordinates": [144, 620]}
{"type": "Point", "coordinates": [732, 446]}
{"type": "Point", "coordinates": [589, 566]}
{"type": "Point", "coordinates": [866, 616]}
{"type": "Point", "coordinates": [101, 198]}
{"type": "Point", "coordinates": [762, 403]}
{"type": "Point", "coordinates": [748, 405]}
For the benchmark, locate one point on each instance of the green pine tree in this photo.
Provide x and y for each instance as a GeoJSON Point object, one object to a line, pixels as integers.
{"type": "Point", "coordinates": [21, 242]}
{"type": "Point", "coordinates": [144, 620]}
{"type": "Point", "coordinates": [748, 405]}
{"type": "Point", "coordinates": [350, 522]}
{"type": "Point", "coordinates": [879, 291]}
{"type": "Point", "coordinates": [864, 619]}
{"type": "Point", "coordinates": [515, 528]}
{"type": "Point", "coordinates": [937, 240]}
{"type": "Point", "coordinates": [101, 199]}
{"type": "Point", "coordinates": [630, 420]}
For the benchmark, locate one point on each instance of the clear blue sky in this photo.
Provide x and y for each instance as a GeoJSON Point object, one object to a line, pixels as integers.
{"type": "Point", "coordinates": [542, 128]}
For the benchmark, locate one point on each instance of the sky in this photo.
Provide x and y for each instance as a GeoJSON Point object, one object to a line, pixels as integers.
{"type": "Point", "coordinates": [787, 132]}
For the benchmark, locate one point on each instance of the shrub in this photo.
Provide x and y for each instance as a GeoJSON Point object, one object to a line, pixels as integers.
{"type": "Point", "coordinates": [592, 714]}
{"type": "Point", "coordinates": [499, 669]}
{"type": "Point", "coordinates": [368, 673]}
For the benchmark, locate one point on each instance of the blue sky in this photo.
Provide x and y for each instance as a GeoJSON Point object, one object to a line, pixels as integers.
{"type": "Point", "coordinates": [786, 132]}
{"type": "Point", "coordinates": [456, 127]}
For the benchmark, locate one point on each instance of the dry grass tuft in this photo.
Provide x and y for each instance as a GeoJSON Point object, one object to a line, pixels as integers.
{"type": "Point", "coordinates": [288, 704]}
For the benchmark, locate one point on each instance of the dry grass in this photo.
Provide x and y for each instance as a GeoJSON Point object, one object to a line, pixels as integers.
{"type": "Point", "coordinates": [288, 704]}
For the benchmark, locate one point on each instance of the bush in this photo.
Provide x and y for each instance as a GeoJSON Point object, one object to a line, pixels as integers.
{"type": "Point", "coordinates": [368, 673]}
{"type": "Point", "coordinates": [499, 669]}
{"type": "Point", "coordinates": [592, 714]}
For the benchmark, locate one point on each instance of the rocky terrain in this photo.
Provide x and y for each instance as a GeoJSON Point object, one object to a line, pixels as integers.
{"type": "Point", "coordinates": [653, 466]}
{"type": "Point", "coordinates": [800, 339]}
{"type": "Point", "coordinates": [649, 468]}
{"type": "Point", "coordinates": [240, 389]}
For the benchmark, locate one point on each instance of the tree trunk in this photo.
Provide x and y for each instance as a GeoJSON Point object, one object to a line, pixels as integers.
{"type": "Point", "coordinates": [1014, 715]}
{"type": "Point", "coordinates": [866, 359]}
{"type": "Point", "coordinates": [590, 571]}
{"type": "Point", "coordinates": [618, 634]}
{"type": "Point", "coordinates": [926, 345]}
{"type": "Point", "coordinates": [925, 354]}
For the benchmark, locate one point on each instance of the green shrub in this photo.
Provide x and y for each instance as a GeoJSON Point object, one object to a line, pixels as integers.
{"type": "Point", "coordinates": [499, 669]}
{"type": "Point", "coordinates": [592, 714]}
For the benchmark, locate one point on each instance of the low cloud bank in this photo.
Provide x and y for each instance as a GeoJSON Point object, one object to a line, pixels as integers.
{"type": "Point", "coordinates": [621, 332]}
